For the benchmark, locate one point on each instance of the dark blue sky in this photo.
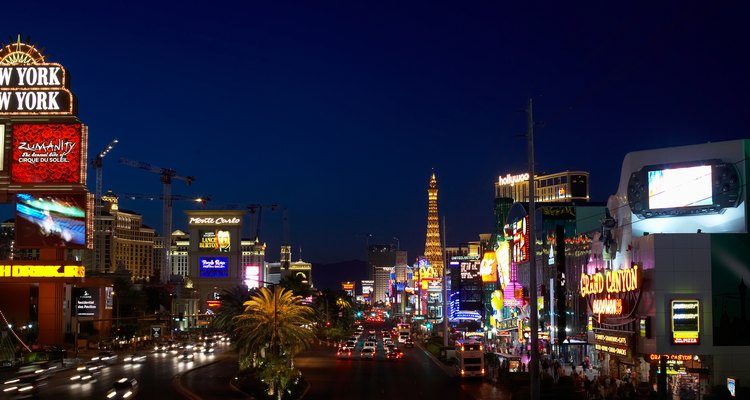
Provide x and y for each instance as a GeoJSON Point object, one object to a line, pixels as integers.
{"type": "Point", "coordinates": [339, 111]}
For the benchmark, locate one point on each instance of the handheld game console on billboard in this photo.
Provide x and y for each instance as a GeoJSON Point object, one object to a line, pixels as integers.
{"type": "Point", "coordinates": [684, 189]}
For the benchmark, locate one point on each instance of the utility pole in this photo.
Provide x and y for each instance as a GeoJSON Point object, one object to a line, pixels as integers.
{"type": "Point", "coordinates": [534, 359]}
{"type": "Point", "coordinates": [445, 291]}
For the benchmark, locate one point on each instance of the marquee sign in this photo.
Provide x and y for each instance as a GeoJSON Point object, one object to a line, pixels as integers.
{"type": "Point", "coordinates": [214, 221]}
{"type": "Point", "coordinates": [520, 238]}
{"type": "Point", "coordinates": [470, 270]}
{"type": "Point", "coordinates": [613, 292]}
{"type": "Point", "coordinates": [31, 86]}
{"type": "Point", "coordinates": [42, 271]}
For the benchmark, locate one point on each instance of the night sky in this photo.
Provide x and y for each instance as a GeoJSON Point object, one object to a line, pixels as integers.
{"type": "Point", "coordinates": [339, 111]}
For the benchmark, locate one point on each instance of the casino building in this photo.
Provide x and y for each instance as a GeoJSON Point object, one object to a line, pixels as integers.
{"type": "Point", "coordinates": [666, 280]}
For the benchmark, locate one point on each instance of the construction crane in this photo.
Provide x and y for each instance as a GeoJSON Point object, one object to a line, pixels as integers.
{"type": "Point", "coordinates": [166, 175]}
{"type": "Point", "coordinates": [255, 208]}
{"type": "Point", "coordinates": [98, 162]}
{"type": "Point", "coordinates": [175, 197]}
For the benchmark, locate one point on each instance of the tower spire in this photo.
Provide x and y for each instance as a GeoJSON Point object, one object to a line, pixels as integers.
{"type": "Point", "coordinates": [433, 250]}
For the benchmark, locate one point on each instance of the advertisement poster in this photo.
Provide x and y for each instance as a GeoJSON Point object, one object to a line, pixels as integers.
{"type": "Point", "coordinates": [51, 220]}
{"type": "Point", "coordinates": [213, 267]}
{"type": "Point", "coordinates": [46, 153]}
{"type": "Point", "coordinates": [214, 240]}
{"type": "Point", "coordinates": [685, 321]}
{"type": "Point", "coordinates": [86, 302]}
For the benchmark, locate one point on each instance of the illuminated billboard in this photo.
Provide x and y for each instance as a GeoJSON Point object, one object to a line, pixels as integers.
{"type": "Point", "coordinates": [503, 263]}
{"type": "Point", "coordinates": [86, 302]}
{"type": "Point", "coordinates": [46, 153]}
{"type": "Point", "coordinates": [214, 240]}
{"type": "Point", "coordinates": [681, 187]}
{"type": "Point", "coordinates": [520, 239]}
{"type": "Point", "coordinates": [51, 220]}
{"type": "Point", "coordinates": [488, 268]}
{"type": "Point", "coordinates": [685, 321]}
{"type": "Point", "coordinates": [252, 276]}
{"type": "Point", "coordinates": [213, 267]}
{"type": "Point", "coordinates": [28, 270]}
{"type": "Point", "coordinates": [470, 270]}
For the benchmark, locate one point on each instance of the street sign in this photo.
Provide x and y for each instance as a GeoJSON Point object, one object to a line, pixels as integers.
{"type": "Point", "coordinates": [156, 331]}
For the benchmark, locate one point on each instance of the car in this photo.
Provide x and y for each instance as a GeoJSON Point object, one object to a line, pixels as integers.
{"type": "Point", "coordinates": [209, 350]}
{"type": "Point", "coordinates": [105, 356]}
{"type": "Point", "coordinates": [387, 341]}
{"type": "Point", "coordinates": [123, 388]}
{"type": "Point", "coordinates": [370, 345]}
{"type": "Point", "coordinates": [161, 347]}
{"type": "Point", "coordinates": [371, 332]}
{"type": "Point", "coordinates": [134, 358]}
{"type": "Point", "coordinates": [351, 343]}
{"type": "Point", "coordinates": [344, 352]}
{"type": "Point", "coordinates": [24, 385]}
{"type": "Point", "coordinates": [395, 354]}
{"type": "Point", "coordinates": [409, 342]}
{"type": "Point", "coordinates": [371, 338]}
{"type": "Point", "coordinates": [367, 352]}
{"type": "Point", "coordinates": [384, 332]}
{"type": "Point", "coordinates": [186, 356]}
{"type": "Point", "coordinates": [391, 347]}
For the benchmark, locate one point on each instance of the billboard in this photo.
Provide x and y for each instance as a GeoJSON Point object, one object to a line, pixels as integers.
{"type": "Point", "coordinates": [469, 270]}
{"type": "Point", "coordinates": [252, 276]}
{"type": "Point", "coordinates": [214, 240]}
{"type": "Point", "coordinates": [520, 239]}
{"type": "Point", "coordinates": [86, 302]}
{"type": "Point", "coordinates": [213, 267]}
{"type": "Point", "coordinates": [46, 153]}
{"type": "Point", "coordinates": [51, 220]}
{"type": "Point", "coordinates": [680, 187]}
{"type": "Point", "coordinates": [685, 321]}
{"type": "Point", "coordinates": [488, 268]}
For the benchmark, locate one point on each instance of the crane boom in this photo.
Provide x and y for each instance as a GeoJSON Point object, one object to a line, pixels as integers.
{"type": "Point", "coordinates": [98, 162]}
{"type": "Point", "coordinates": [165, 175]}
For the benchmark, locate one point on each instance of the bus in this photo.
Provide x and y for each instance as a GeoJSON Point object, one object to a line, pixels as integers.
{"type": "Point", "coordinates": [404, 332]}
{"type": "Point", "coordinates": [470, 356]}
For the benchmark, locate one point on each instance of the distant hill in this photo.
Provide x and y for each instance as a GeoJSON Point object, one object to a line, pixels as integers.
{"type": "Point", "coordinates": [330, 276]}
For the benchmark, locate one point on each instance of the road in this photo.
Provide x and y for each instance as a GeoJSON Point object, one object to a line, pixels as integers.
{"type": "Point", "coordinates": [415, 376]}
{"type": "Point", "coordinates": [154, 376]}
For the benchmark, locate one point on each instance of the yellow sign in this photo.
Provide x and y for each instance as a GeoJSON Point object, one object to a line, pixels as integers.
{"type": "Point", "coordinates": [611, 349]}
{"type": "Point", "coordinates": [611, 339]}
{"type": "Point", "coordinates": [607, 306]}
{"type": "Point", "coordinates": [618, 281]}
{"type": "Point", "coordinates": [42, 271]}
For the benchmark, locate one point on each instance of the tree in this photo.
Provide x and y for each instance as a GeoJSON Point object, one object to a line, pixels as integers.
{"type": "Point", "coordinates": [296, 285]}
{"type": "Point", "coordinates": [232, 305]}
{"type": "Point", "coordinates": [276, 325]}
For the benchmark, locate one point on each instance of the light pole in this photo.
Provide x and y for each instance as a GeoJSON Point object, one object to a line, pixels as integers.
{"type": "Point", "coordinates": [534, 311]}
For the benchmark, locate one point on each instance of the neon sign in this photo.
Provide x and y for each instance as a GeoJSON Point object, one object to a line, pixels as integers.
{"type": "Point", "coordinates": [619, 281]}
{"type": "Point", "coordinates": [510, 180]}
{"type": "Point", "coordinates": [520, 238]}
{"type": "Point", "coordinates": [42, 271]}
{"type": "Point", "coordinates": [214, 221]}
{"type": "Point", "coordinates": [607, 306]}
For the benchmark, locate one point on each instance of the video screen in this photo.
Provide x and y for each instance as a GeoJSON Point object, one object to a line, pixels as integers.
{"type": "Point", "coordinates": [214, 240]}
{"type": "Point", "coordinates": [681, 187]}
{"type": "Point", "coordinates": [213, 267]}
{"type": "Point", "coordinates": [46, 153]}
{"type": "Point", "coordinates": [57, 220]}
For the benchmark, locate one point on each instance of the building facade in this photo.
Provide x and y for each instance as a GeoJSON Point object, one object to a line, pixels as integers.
{"type": "Point", "coordinates": [566, 186]}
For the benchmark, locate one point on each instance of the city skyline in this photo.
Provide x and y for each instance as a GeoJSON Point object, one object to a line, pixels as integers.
{"type": "Point", "coordinates": [340, 113]}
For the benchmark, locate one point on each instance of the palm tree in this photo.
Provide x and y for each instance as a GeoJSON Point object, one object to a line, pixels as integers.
{"type": "Point", "coordinates": [232, 305]}
{"type": "Point", "coordinates": [275, 324]}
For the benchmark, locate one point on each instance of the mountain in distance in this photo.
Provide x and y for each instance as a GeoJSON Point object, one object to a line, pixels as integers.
{"type": "Point", "coordinates": [330, 276]}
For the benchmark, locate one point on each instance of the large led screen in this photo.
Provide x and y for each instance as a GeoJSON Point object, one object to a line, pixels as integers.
{"type": "Point", "coordinates": [51, 220]}
{"type": "Point", "coordinates": [46, 153]}
{"type": "Point", "coordinates": [213, 267]}
{"type": "Point", "coordinates": [214, 240]}
{"type": "Point", "coordinates": [680, 187]}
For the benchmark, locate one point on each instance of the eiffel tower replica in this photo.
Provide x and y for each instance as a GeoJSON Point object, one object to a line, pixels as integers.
{"type": "Point", "coordinates": [433, 250]}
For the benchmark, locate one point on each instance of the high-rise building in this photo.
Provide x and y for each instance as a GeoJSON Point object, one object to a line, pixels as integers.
{"type": "Point", "coordinates": [433, 249]}
{"type": "Point", "coordinates": [253, 262]}
{"type": "Point", "coordinates": [125, 241]}
{"type": "Point", "coordinates": [558, 187]}
{"type": "Point", "coordinates": [179, 253]}
{"type": "Point", "coordinates": [381, 258]}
